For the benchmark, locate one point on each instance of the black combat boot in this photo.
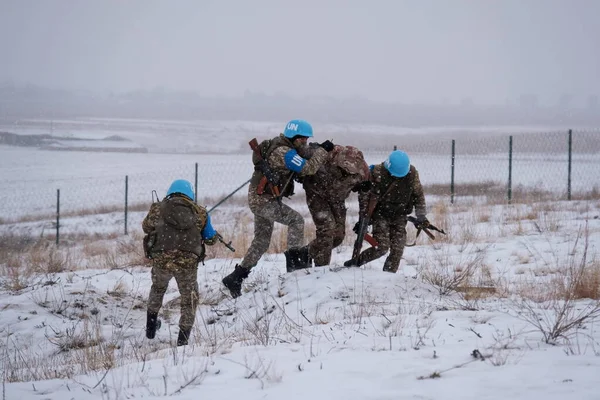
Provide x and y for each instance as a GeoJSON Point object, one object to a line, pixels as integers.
{"type": "Point", "coordinates": [297, 258]}
{"type": "Point", "coordinates": [152, 324]}
{"type": "Point", "coordinates": [184, 335]}
{"type": "Point", "coordinates": [352, 263]}
{"type": "Point", "coordinates": [291, 259]}
{"type": "Point", "coordinates": [304, 260]}
{"type": "Point", "coordinates": [234, 280]}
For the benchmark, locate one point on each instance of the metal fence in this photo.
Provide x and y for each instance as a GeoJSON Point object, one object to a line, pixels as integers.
{"type": "Point", "coordinates": [565, 164]}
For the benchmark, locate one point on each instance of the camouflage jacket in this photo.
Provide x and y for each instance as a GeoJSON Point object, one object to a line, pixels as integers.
{"type": "Point", "coordinates": [177, 224]}
{"type": "Point", "coordinates": [396, 197]}
{"type": "Point", "coordinates": [275, 155]}
{"type": "Point", "coordinates": [343, 169]}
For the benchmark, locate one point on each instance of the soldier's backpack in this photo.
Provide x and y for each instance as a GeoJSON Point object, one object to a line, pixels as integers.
{"type": "Point", "coordinates": [351, 160]}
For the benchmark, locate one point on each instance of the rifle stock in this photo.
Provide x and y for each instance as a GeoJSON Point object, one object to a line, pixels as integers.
{"type": "Point", "coordinates": [371, 240]}
{"type": "Point", "coordinates": [268, 176]}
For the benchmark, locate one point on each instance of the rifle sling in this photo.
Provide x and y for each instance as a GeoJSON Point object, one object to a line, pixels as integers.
{"type": "Point", "coordinates": [389, 189]}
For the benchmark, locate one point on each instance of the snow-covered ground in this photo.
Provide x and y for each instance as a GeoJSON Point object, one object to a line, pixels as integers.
{"type": "Point", "coordinates": [326, 333]}
{"type": "Point", "coordinates": [72, 318]}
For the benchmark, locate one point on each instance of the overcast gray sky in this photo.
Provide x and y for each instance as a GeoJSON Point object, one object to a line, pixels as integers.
{"type": "Point", "coordinates": [390, 50]}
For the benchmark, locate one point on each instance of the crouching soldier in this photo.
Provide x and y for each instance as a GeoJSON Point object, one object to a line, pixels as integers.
{"type": "Point", "coordinates": [178, 229]}
{"type": "Point", "coordinates": [276, 162]}
{"type": "Point", "coordinates": [344, 171]}
{"type": "Point", "coordinates": [398, 191]}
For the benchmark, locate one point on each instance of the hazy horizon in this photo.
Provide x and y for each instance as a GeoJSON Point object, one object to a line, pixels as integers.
{"type": "Point", "coordinates": [431, 52]}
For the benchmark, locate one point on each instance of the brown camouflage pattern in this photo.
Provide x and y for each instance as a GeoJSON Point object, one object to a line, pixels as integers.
{"type": "Point", "coordinates": [329, 217]}
{"type": "Point", "coordinates": [267, 210]}
{"type": "Point", "coordinates": [276, 161]}
{"type": "Point", "coordinates": [404, 195]}
{"type": "Point", "coordinates": [343, 168]}
{"type": "Point", "coordinates": [181, 265]}
{"type": "Point", "coordinates": [151, 220]}
{"type": "Point", "coordinates": [326, 194]}
{"type": "Point", "coordinates": [265, 217]}
{"type": "Point", "coordinates": [184, 268]}
{"type": "Point", "coordinates": [389, 218]}
{"type": "Point", "coordinates": [390, 235]}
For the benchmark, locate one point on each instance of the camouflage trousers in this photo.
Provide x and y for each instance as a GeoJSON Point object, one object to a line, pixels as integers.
{"type": "Point", "coordinates": [265, 216]}
{"type": "Point", "coordinates": [184, 268]}
{"type": "Point", "coordinates": [390, 235]}
{"type": "Point", "coordinates": [330, 223]}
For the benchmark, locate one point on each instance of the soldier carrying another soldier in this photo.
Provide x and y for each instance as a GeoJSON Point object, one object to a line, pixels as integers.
{"type": "Point", "coordinates": [276, 163]}
{"type": "Point", "coordinates": [178, 229]}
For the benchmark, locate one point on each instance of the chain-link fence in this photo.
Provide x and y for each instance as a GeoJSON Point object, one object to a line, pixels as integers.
{"type": "Point", "coordinates": [563, 164]}
{"type": "Point", "coordinates": [517, 167]}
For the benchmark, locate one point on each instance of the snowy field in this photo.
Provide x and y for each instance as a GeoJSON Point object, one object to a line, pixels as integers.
{"type": "Point", "coordinates": [504, 306]}
{"type": "Point", "coordinates": [30, 177]}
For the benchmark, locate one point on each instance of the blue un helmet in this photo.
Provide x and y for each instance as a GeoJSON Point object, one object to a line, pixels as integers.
{"type": "Point", "coordinates": [298, 127]}
{"type": "Point", "coordinates": [398, 164]}
{"type": "Point", "coordinates": [181, 186]}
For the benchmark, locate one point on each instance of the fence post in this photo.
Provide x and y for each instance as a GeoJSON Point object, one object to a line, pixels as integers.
{"type": "Point", "coordinates": [452, 172]}
{"type": "Point", "coordinates": [57, 215]}
{"type": "Point", "coordinates": [570, 164]}
{"type": "Point", "coordinates": [196, 184]}
{"type": "Point", "coordinates": [126, 191]}
{"type": "Point", "coordinates": [510, 153]}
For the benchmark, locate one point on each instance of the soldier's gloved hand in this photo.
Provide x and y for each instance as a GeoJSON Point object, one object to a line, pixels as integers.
{"type": "Point", "coordinates": [363, 186]}
{"type": "Point", "coordinates": [327, 145]}
{"type": "Point", "coordinates": [422, 222]}
{"type": "Point", "coordinates": [356, 226]}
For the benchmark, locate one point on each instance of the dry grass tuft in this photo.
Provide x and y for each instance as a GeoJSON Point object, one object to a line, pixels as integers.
{"type": "Point", "coordinates": [560, 306]}
{"type": "Point", "coordinates": [448, 272]}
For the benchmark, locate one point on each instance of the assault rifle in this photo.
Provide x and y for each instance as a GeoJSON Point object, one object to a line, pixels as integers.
{"type": "Point", "coordinates": [425, 229]}
{"type": "Point", "coordinates": [268, 176]}
{"type": "Point", "coordinates": [226, 244]}
{"type": "Point", "coordinates": [363, 225]}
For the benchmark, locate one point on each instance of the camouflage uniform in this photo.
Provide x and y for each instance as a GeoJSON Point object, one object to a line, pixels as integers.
{"type": "Point", "coordinates": [326, 194]}
{"type": "Point", "coordinates": [176, 253]}
{"type": "Point", "coordinates": [285, 160]}
{"type": "Point", "coordinates": [265, 207]}
{"type": "Point", "coordinates": [396, 199]}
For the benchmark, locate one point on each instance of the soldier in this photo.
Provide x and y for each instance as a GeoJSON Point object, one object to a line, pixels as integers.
{"type": "Point", "coordinates": [284, 161]}
{"type": "Point", "coordinates": [326, 192]}
{"type": "Point", "coordinates": [398, 190]}
{"type": "Point", "coordinates": [178, 229]}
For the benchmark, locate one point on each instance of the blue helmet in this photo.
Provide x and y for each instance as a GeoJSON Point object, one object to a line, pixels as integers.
{"type": "Point", "coordinates": [298, 127]}
{"type": "Point", "coordinates": [398, 164]}
{"type": "Point", "coordinates": [181, 186]}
